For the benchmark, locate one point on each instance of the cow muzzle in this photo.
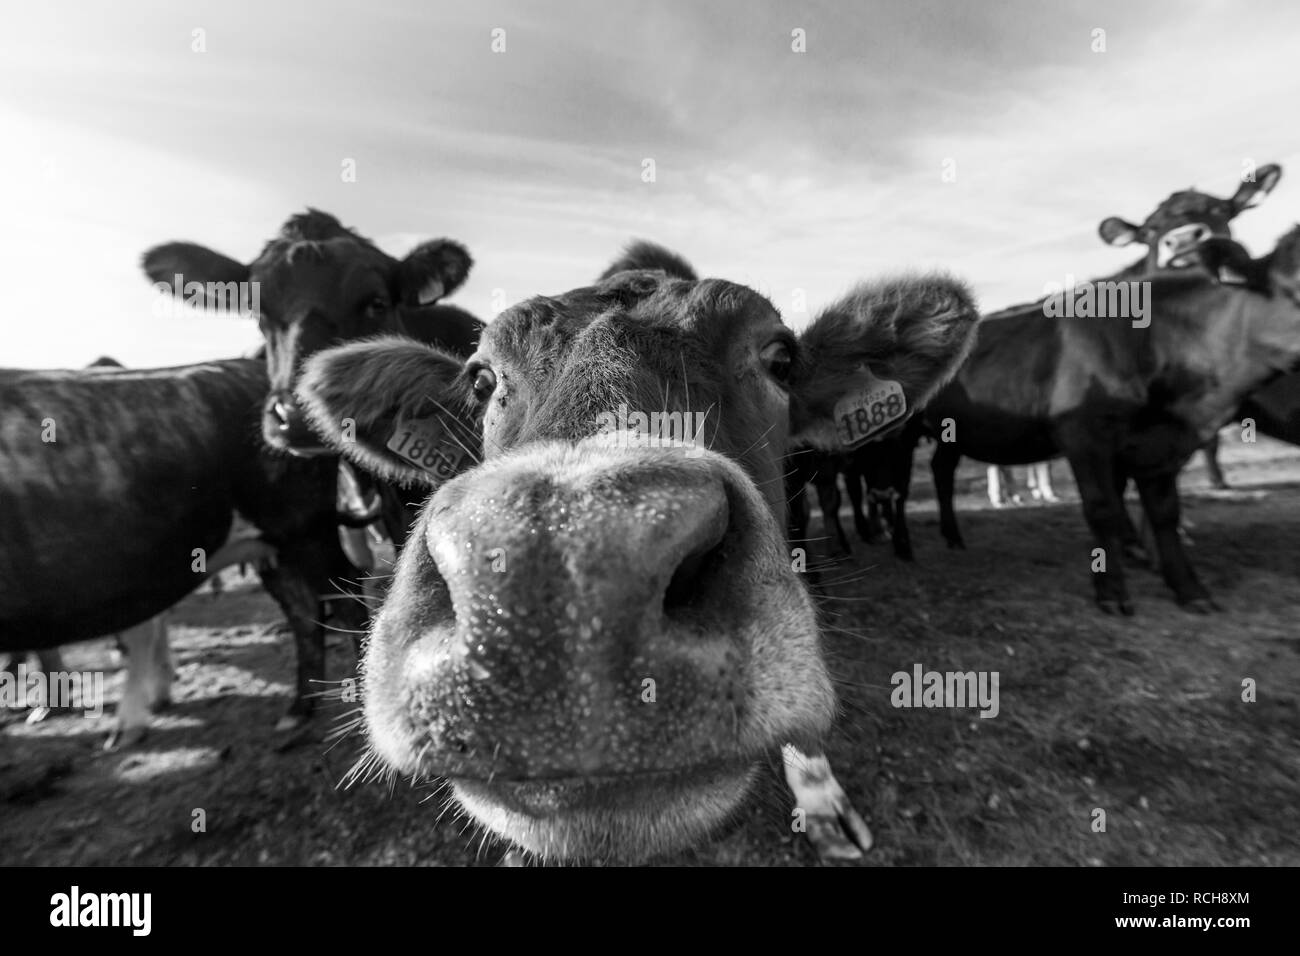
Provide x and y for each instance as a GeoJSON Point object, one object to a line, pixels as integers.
{"type": "Point", "coordinates": [1176, 249]}
{"type": "Point", "coordinates": [595, 644]}
{"type": "Point", "coordinates": [285, 427]}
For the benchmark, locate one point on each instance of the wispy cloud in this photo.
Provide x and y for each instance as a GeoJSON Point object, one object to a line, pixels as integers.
{"type": "Point", "coordinates": [785, 170]}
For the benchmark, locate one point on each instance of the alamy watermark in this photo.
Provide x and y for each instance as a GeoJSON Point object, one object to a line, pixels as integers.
{"type": "Point", "coordinates": [660, 429]}
{"type": "Point", "coordinates": [238, 298]}
{"type": "Point", "coordinates": [1107, 299]}
{"type": "Point", "coordinates": [958, 689]}
{"type": "Point", "coordinates": [23, 689]}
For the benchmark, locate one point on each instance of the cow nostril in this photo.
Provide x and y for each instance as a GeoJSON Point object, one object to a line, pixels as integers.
{"type": "Point", "coordinates": [692, 575]}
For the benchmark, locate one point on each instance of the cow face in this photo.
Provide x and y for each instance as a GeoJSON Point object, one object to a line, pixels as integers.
{"type": "Point", "coordinates": [316, 284]}
{"type": "Point", "coordinates": [596, 631]}
{"type": "Point", "coordinates": [1186, 219]}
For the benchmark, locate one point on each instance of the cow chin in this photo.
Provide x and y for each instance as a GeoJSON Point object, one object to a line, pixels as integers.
{"type": "Point", "coordinates": [625, 819]}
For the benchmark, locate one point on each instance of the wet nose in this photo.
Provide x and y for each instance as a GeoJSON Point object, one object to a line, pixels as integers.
{"type": "Point", "coordinates": [1178, 242]}
{"type": "Point", "coordinates": [586, 604]}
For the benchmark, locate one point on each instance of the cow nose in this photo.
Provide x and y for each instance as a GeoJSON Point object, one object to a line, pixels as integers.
{"type": "Point", "coordinates": [612, 552]}
{"type": "Point", "coordinates": [588, 603]}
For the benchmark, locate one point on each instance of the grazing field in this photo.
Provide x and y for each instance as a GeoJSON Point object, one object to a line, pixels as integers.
{"type": "Point", "coordinates": [1140, 717]}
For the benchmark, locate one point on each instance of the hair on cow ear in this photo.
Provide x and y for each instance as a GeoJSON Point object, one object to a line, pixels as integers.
{"type": "Point", "coordinates": [433, 270]}
{"type": "Point", "coordinates": [395, 407]}
{"type": "Point", "coordinates": [877, 356]}
{"type": "Point", "coordinates": [1115, 231]}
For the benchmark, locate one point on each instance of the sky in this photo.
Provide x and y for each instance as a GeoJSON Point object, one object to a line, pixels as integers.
{"type": "Point", "coordinates": [788, 171]}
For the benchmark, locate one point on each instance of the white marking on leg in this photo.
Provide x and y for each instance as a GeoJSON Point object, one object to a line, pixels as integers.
{"type": "Point", "coordinates": [834, 827]}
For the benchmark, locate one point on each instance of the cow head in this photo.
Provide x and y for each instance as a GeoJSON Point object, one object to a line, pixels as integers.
{"type": "Point", "coordinates": [596, 631]}
{"type": "Point", "coordinates": [316, 284]}
{"type": "Point", "coordinates": [1184, 220]}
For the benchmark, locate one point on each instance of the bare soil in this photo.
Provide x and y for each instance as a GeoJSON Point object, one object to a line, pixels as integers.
{"type": "Point", "coordinates": [1141, 717]}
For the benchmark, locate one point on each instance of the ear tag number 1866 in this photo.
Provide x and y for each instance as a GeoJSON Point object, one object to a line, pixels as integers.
{"type": "Point", "coordinates": [869, 410]}
{"type": "Point", "coordinates": [425, 443]}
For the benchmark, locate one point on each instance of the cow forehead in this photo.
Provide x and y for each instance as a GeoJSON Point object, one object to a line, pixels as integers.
{"type": "Point", "coordinates": [1183, 204]}
{"type": "Point", "coordinates": [653, 317]}
{"type": "Point", "coordinates": [320, 268]}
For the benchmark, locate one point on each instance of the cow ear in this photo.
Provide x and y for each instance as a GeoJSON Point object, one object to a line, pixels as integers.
{"type": "Point", "coordinates": [1252, 193]}
{"type": "Point", "coordinates": [874, 358]}
{"type": "Point", "coordinates": [193, 272]}
{"type": "Point", "coordinates": [1230, 264]}
{"type": "Point", "coordinates": [395, 407]}
{"type": "Point", "coordinates": [1117, 232]}
{"type": "Point", "coordinates": [432, 270]}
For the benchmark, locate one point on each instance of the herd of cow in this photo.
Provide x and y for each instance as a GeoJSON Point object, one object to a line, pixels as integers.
{"type": "Point", "coordinates": [596, 637]}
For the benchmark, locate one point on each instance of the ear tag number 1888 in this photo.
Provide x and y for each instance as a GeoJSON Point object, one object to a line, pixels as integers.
{"type": "Point", "coordinates": [869, 410]}
{"type": "Point", "coordinates": [425, 443]}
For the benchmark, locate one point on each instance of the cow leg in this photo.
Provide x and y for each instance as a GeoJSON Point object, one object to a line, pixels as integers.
{"type": "Point", "coordinates": [1104, 511]}
{"type": "Point", "coordinates": [994, 483]}
{"type": "Point", "coordinates": [902, 489]}
{"type": "Point", "coordinates": [302, 607]}
{"type": "Point", "coordinates": [800, 513]}
{"type": "Point", "coordinates": [828, 499]}
{"type": "Point", "coordinates": [1160, 502]}
{"type": "Point", "coordinates": [1040, 482]}
{"type": "Point", "coordinates": [834, 828]}
{"type": "Point", "coordinates": [865, 523]}
{"type": "Point", "coordinates": [1135, 547]}
{"type": "Point", "coordinates": [148, 681]}
{"type": "Point", "coordinates": [350, 614]}
{"type": "Point", "coordinates": [50, 662]}
{"type": "Point", "coordinates": [1212, 468]}
{"type": "Point", "coordinates": [1010, 489]}
{"type": "Point", "coordinates": [943, 466]}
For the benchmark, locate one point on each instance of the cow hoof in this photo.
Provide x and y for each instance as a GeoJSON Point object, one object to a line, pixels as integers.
{"type": "Point", "coordinates": [1200, 605]}
{"type": "Point", "coordinates": [1122, 607]}
{"type": "Point", "coordinates": [838, 836]}
{"type": "Point", "coordinates": [37, 714]}
{"type": "Point", "coordinates": [1136, 554]}
{"type": "Point", "coordinates": [123, 739]}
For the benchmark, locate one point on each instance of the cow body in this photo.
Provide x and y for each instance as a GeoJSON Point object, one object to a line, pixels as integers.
{"type": "Point", "coordinates": [1118, 401]}
{"type": "Point", "coordinates": [121, 514]}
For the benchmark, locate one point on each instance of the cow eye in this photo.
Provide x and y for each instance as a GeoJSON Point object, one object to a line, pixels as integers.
{"type": "Point", "coordinates": [776, 358]}
{"type": "Point", "coordinates": [485, 382]}
{"type": "Point", "coordinates": [377, 307]}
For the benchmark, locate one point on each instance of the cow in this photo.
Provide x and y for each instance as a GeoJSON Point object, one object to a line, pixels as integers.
{"type": "Point", "coordinates": [1120, 397]}
{"type": "Point", "coordinates": [149, 669]}
{"type": "Point", "coordinates": [317, 283]}
{"type": "Point", "coordinates": [1172, 234]}
{"type": "Point", "coordinates": [596, 634]}
{"type": "Point", "coordinates": [118, 489]}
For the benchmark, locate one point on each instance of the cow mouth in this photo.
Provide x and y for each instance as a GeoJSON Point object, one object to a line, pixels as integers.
{"type": "Point", "coordinates": [624, 818]}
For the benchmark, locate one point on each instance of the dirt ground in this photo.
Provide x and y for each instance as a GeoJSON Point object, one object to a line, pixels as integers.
{"type": "Point", "coordinates": [1141, 717]}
